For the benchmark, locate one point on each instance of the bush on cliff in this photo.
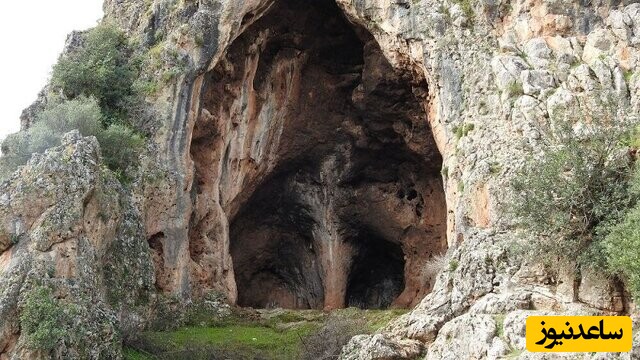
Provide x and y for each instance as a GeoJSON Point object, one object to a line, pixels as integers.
{"type": "Point", "coordinates": [581, 197]}
{"type": "Point", "coordinates": [82, 114]}
{"type": "Point", "coordinates": [570, 194]}
{"type": "Point", "coordinates": [101, 67]}
{"type": "Point", "coordinates": [45, 320]}
{"type": "Point", "coordinates": [96, 77]}
{"type": "Point", "coordinates": [120, 145]}
{"type": "Point", "coordinates": [622, 243]}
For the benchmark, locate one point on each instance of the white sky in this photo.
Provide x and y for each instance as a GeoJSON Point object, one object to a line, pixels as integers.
{"type": "Point", "coordinates": [33, 35]}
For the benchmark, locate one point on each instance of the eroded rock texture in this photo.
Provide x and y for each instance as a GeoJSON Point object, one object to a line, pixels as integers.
{"type": "Point", "coordinates": [68, 227]}
{"type": "Point", "coordinates": [318, 152]}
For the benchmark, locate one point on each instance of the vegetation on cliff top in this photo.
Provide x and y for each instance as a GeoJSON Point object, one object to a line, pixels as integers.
{"type": "Point", "coordinates": [100, 67]}
{"type": "Point", "coordinates": [96, 79]}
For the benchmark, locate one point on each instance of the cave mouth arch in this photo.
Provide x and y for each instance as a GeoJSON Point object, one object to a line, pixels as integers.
{"type": "Point", "coordinates": [320, 155]}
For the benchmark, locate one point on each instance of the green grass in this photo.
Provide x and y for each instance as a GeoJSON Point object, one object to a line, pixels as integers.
{"type": "Point", "coordinates": [273, 334]}
{"type": "Point", "coordinates": [131, 354]}
{"type": "Point", "coordinates": [453, 265]}
{"type": "Point", "coordinates": [375, 319]}
{"type": "Point", "coordinates": [499, 319]}
{"type": "Point", "coordinates": [515, 89]}
{"type": "Point", "coordinates": [242, 339]}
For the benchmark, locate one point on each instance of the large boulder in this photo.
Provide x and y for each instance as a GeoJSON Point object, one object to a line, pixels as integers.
{"type": "Point", "coordinates": [73, 259]}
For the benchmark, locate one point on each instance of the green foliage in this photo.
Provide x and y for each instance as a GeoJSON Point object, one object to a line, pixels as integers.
{"type": "Point", "coordinates": [515, 88]}
{"type": "Point", "coordinates": [159, 66]}
{"type": "Point", "coordinates": [81, 113]}
{"type": "Point", "coordinates": [467, 8]}
{"type": "Point", "coordinates": [99, 67]}
{"type": "Point", "coordinates": [199, 40]}
{"type": "Point", "coordinates": [499, 319]}
{"type": "Point", "coordinates": [146, 87]}
{"type": "Point", "coordinates": [444, 171]}
{"type": "Point", "coordinates": [15, 152]}
{"type": "Point", "coordinates": [463, 130]}
{"type": "Point", "coordinates": [120, 145]}
{"type": "Point", "coordinates": [495, 168]}
{"type": "Point", "coordinates": [631, 138]}
{"type": "Point", "coordinates": [453, 265]}
{"type": "Point", "coordinates": [622, 242]}
{"type": "Point", "coordinates": [628, 74]}
{"type": "Point", "coordinates": [568, 196]}
{"type": "Point", "coordinates": [131, 354]}
{"type": "Point", "coordinates": [268, 334]}
{"type": "Point", "coordinates": [44, 319]}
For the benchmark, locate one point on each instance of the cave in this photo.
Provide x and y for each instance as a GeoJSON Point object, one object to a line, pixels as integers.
{"type": "Point", "coordinates": [376, 276]}
{"type": "Point", "coordinates": [320, 155]}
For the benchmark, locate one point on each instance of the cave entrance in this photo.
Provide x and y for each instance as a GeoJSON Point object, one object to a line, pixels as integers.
{"type": "Point", "coordinates": [376, 277]}
{"type": "Point", "coordinates": [328, 170]}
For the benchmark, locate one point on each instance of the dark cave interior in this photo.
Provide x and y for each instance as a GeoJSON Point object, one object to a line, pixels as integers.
{"type": "Point", "coordinates": [354, 205]}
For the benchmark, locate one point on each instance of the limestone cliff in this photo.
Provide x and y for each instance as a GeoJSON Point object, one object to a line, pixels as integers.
{"type": "Point", "coordinates": [323, 154]}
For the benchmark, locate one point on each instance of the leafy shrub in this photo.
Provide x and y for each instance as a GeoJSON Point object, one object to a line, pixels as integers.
{"type": "Point", "coordinates": [44, 319]}
{"type": "Point", "coordinates": [622, 248]}
{"type": "Point", "coordinates": [99, 67]}
{"type": "Point", "coordinates": [15, 152]}
{"type": "Point", "coordinates": [120, 145]}
{"type": "Point", "coordinates": [570, 194]}
{"type": "Point", "coordinates": [622, 243]}
{"type": "Point", "coordinates": [81, 113]}
{"type": "Point", "coordinates": [463, 130]}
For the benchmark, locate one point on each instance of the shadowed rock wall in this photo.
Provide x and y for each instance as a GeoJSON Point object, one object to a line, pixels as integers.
{"type": "Point", "coordinates": [319, 153]}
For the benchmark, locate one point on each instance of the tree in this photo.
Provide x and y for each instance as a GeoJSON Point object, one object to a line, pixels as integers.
{"type": "Point", "coordinates": [577, 185]}
{"type": "Point", "coordinates": [100, 67]}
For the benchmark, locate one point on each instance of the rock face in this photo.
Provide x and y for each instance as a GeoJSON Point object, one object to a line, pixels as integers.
{"type": "Point", "coordinates": [68, 227]}
{"type": "Point", "coordinates": [322, 155]}
{"type": "Point", "coordinates": [329, 178]}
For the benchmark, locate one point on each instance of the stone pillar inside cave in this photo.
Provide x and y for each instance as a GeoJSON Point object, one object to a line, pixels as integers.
{"type": "Point", "coordinates": [315, 163]}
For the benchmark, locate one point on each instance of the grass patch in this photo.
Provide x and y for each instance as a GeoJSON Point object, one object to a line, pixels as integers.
{"type": "Point", "coordinates": [499, 319]}
{"type": "Point", "coordinates": [515, 89]}
{"type": "Point", "coordinates": [131, 354]}
{"type": "Point", "coordinates": [453, 265]}
{"type": "Point", "coordinates": [495, 168]}
{"type": "Point", "coordinates": [463, 130]}
{"type": "Point", "coordinates": [249, 334]}
{"type": "Point", "coordinates": [240, 339]}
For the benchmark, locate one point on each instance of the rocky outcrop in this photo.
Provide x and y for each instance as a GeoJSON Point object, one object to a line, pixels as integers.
{"type": "Point", "coordinates": [319, 156]}
{"type": "Point", "coordinates": [70, 235]}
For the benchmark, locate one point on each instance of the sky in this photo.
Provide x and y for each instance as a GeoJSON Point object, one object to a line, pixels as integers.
{"type": "Point", "coordinates": [33, 35]}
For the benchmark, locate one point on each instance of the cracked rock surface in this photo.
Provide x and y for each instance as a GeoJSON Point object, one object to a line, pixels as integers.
{"type": "Point", "coordinates": [300, 147]}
